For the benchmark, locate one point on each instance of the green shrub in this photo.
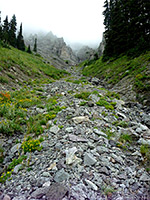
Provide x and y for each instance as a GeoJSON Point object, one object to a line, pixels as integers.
{"type": "Point", "coordinates": [31, 145]}
{"type": "Point", "coordinates": [3, 79]}
{"type": "Point", "coordinates": [83, 95]}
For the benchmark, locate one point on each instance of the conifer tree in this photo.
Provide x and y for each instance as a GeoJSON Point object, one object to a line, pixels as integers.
{"type": "Point", "coordinates": [127, 27]}
{"type": "Point", "coordinates": [29, 49]}
{"type": "Point", "coordinates": [12, 32]}
{"type": "Point", "coordinates": [20, 40]}
{"type": "Point", "coordinates": [0, 28]}
{"type": "Point", "coordinates": [35, 45]}
{"type": "Point", "coordinates": [6, 30]}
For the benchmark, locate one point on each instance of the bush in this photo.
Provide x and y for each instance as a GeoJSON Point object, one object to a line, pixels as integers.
{"type": "Point", "coordinates": [31, 145]}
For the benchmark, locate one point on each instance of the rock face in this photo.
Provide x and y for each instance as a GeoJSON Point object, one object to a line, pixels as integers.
{"type": "Point", "coordinates": [101, 47]}
{"type": "Point", "coordinates": [53, 49]}
{"type": "Point", "coordinates": [85, 53]}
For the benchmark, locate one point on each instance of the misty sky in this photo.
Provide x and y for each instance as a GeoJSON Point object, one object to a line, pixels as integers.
{"type": "Point", "coordinates": [78, 21]}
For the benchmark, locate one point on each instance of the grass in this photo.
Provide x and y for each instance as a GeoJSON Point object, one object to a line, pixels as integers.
{"type": "Point", "coordinates": [136, 71]}
{"type": "Point", "coordinates": [30, 65]}
{"type": "Point", "coordinates": [83, 95]}
{"type": "Point", "coordinates": [106, 104]}
{"type": "Point", "coordinates": [4, 79]}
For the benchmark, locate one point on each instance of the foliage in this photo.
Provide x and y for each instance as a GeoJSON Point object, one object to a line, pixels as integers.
{"type": "Point", "coordinates": [105, 103]}
{"type": "Point", "coordinates": [10, 168]}
{"type": "Point", "coordinates": [113, 71]}
{"type": "Point", "coordinates": [83, 95]}
{"type": "Point", "coordinates": [3, 79]}
{"type": "Point", "coordinates": [126, 27]}
{"type": "Point", "coordinates": [31, 145]}
{"type": "Point", "coordinates": [20, 40]}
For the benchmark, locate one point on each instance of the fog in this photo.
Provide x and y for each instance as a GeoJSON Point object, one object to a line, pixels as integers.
{"type": "Point", "coordinates": [77, 21]}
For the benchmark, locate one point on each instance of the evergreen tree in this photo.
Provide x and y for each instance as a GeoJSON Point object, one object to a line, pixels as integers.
{"type": "Point", "coordinates": [127, 27]}
{"type": "Point", "coordinates": [6, 30]}
{"type": "Point", "coordinates": [12, 32]}
{"type": "Point", "coordinates": [0, 28]}
{"type": "Point", "coordinates": [29, 49]}
{"type": "Point", "coordinates": [20, 40]}
{"type": "Point", "coordinates": [35, 45]}
{"type": "Point", "coordinates": [1, 33]}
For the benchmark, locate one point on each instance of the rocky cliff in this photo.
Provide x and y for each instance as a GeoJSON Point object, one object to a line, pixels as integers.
{"type": "Point", "coordinates": [85, 53]}
{"type": "Point", "coordinates": [101, 47]}
{"type": "Point", "coordinates": [54, 49]}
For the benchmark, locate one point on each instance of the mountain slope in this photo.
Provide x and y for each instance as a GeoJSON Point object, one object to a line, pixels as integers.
{"type": "Point", "coordinates": [129, 77]}
{"type": "Point", "coordinates": [19, 68]}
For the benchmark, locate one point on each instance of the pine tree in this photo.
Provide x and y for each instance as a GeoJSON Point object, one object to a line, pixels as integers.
{"type": "Point", "coordinates": [127, 27]}
{"type": "Point", "coordinates": [29, 49]}
{"type": "Point", "coordinates": [6, 30]}
{"type": "Point", "coordinates": [12, 32]}
{"type": "Point", "coordinates": [20, 40]}
{"type": "Point", "coordinates": [35, 45]}
{"type": "Point", "coordinates": [1, 34]}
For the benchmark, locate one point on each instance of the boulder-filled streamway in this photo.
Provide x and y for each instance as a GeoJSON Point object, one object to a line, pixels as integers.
{"type": "Point", "coordinates": [95, 147]}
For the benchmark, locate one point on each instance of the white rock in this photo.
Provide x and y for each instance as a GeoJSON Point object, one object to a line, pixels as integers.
{"type": "Point", "coordinates": [91, 184]}
{"type": "Point", "coordinates": [55, 129]}
{"type": "Point", "coordinates": [71, 157]}
{"type": "Point", "coordinates": [80, 119]}
{"type": "Point", "coordinates": [69, 129]}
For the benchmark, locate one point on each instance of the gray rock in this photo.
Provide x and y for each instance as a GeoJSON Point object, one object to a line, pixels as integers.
{"type": "Point", "coordinates": [15, 148]}
{"type": "Point", "coordinates": [40, 192]}
{"type": "Point", "coordinates": [104, 170]}
{"type": "Point", "coordinates": [102, 149]}
{"type": "Point", "coordinates": [145, 177]}
{"type": "Point", "coordinates": [91, 184]}
{"type": "Point", "coordinates": [22, 197]}
{"type": "Point", "coordinates": [90, 104]}
{"type": "Point", "coordinates": [69, 129]}
{"type": "Point", "coordinates": [46, 174]}
{"type": "Point", "coordinates": [55, 129]}
{"type": "Point", "coordinates": [146, 120]}
{"type": "Point", "coordinates": [100, 133]}
{"type": "Point", "coordinates": [89, 160]}
{"type": "Point", "coordinates": [95, 81]}
{"type": "Point", "coordinates": [143, 127]}
{"type": "Point", "coordinates": [143, 141]}
{"type": "Point", "coordinates": [61, 176]}
{"type": "Point", "coordinates": [17, 168]}
{"type": "Point", "coordinates": [6, 197]}
{"type": "Point", "coordinates": [56, 192]}
{"type": "Point", "coordinates": [75, 138]}
{"type": "Point", "coordinates": [94, 98]}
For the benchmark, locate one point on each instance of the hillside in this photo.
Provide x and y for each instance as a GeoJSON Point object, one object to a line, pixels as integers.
{"type": "Point", "coordinates": [18, 68]}
{"type": "Point", "coordinates": [130, 77]}
{"type": "Point", "coordinates": [65, 137]}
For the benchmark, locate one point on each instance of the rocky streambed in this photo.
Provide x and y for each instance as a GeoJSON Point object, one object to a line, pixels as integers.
{"type": "Point", "coordinates": [92, 150]}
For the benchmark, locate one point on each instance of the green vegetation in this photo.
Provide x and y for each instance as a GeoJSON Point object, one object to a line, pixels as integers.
{"type": "Point", "coordinates": [31, 145]}
{"type": "Point", "coordinates": [30, 65]}
{"type": "Point", "coordinates": [76, 81]}
{"type": "Point", "coordinates": [83, 95]}
{"type": "Point", "coordinates": [3, 79]}
{"type": "Point", "coordinates": [1, 154]}
{"type": "Point", "coordinates": [106, 104]}
{"type": "Point", "coordinates": [10, 168]}
{"type": "Point", "coordinates": [121, 124]}
{"type": "Point", "coordinates": [125, 138]}
{"type": "Point", "coordinates": [126, 27]}
{"type": "Point", "coordinates": [112, 72]}
{"type": "Point", "coordinates": [145, 151]}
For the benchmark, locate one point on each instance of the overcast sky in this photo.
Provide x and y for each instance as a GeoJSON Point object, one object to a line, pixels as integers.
{"type": "Point", "coordinates": [78, 21]}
